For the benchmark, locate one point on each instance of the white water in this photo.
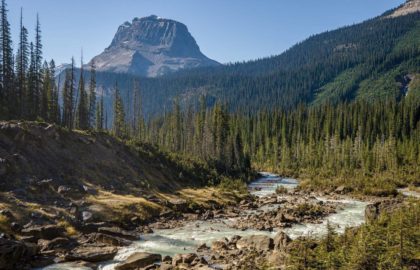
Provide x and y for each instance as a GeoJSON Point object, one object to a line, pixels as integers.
{"type": "Point", "coordinates": [187, 238]}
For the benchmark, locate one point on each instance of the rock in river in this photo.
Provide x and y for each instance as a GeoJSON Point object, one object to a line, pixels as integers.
{"type": "Point", "coordinates": [138, 260]}
{"type": "Point", "coordinates": [92, 253]}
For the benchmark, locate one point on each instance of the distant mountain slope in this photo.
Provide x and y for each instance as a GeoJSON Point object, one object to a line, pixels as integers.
{"type": "Point", "coordinates": [378, 58]}
{"type": "Point", "coordinates": [152, 46]}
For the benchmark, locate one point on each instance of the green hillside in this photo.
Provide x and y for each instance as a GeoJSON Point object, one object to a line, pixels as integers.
{"type": "Point", "coordinates": [373, 59]}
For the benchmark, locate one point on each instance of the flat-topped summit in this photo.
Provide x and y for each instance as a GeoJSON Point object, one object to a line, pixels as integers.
{"type": "Point", "coordinates": [152, 46]}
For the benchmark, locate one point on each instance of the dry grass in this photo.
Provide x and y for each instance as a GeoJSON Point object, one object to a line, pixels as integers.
{"type": "Point", "coordinates": [70, 230]}
{"type": "Point", "coordinates": [120, 207]}
{"type": "Point", "coordinates": [203, 196]}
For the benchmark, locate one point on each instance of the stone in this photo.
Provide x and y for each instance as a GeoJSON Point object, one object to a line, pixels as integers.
{"type": "Point", "coordinates": [202, 247]}
{"type": "Point", "coordinates": [218, 246]}
{"type": "Point", "coordinates": [7, 213]}
{"type": "Point", "coordinates": [177, 259]}
{"type": "Point", "coordinates": [138, 260]}
{"type": "Point", "coordinates": [86, 216]}
{"type": "Point", "coordinates": [116, 231]}
{"type": "Point", "coordinates": [189, 258]}
{"type": "Point", "coordinates": [108, 239]}
{"type": "Point", "coordinates": [281, 241]}
{"type": "Point", "coordinates": [257, 242]}
{"type": "Point", "coordinates": [92, 253]}
{"type": "Point", "coordinates": [14, 254]}
{"type": "Point", "coordinates": [56, 243]}
{"type": "Point", "coordinates": [48, 232]}
{"type": "Point", "coordinates": [63, 190]}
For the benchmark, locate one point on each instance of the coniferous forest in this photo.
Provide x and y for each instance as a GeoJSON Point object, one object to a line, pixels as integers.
{"type": "Point", "coordinates": [339, 111]}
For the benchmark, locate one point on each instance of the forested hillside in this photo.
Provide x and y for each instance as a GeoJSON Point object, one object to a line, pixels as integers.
{"type": "Point", "coordinates": [378, 58]}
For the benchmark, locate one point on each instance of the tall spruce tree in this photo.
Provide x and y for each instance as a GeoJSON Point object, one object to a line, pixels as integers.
{"type": "Point", "coordinates": [9, 94]}
{"type": "Point", "coordinates": [68, 97]}
{"type": "Point", "coordinates": [100, 113]}
{"type": "Point", "coordinates": [82, 115]}
{"type": "Point", "coordinates": [37, 54]}
{"type": "Point", "coordinates": [119, 125]}
{"type": "Point", "coordinates": [92, 95]}
{"type": "Point", "coordinates": [22, 65]}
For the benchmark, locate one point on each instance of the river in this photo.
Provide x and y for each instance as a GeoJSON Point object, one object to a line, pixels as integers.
{"type": "Point", "coordinates": [186, 239]}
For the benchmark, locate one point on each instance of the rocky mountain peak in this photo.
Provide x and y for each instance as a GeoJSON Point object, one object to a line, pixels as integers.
{"type": "Point", "coordinates": [152, 46]}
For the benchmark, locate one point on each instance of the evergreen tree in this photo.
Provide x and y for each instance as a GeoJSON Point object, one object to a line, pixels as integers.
{"type": "Point", "coordinates": [100, 113]}
{"type": "Point", "coordinates": [82, 114]}
{"type": "Point", "coordinates": [9, 94]}
{"type": "Point", "coordinates": [119, 125]}
{"type": "Point", "coordinates": [68, 97]}
{"type": "Point", "coordinates": [22, 65]}
{"type": "Point", "coordinates": [92, 95]}
{"type": "Point", "coordinates": [37, 65]}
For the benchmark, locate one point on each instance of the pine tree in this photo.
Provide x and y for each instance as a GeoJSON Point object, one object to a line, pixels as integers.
{"type": "Point", "coordinates": [119, 127]}
{"type": "Point", "coordinates": [92, 95]}
{"type": "Point", "coordinates": [45, 91]}
{"type": "Point", "coordinates": [100, 113]}
{"type": "Point", "coordinates": [82, 114]}
{"type": "Point", "coordinates": [32, 100]}
{"type": "Point", "coordinates": [68, 99]}
{"type": "Point", "coordinates": [22, 66]}
{"type": "Point", "coordinates": [53, 103]}
{"type": "Point", "coordinates": [37, 69]}
{"type": "Point", "coordinates": [9, 94]}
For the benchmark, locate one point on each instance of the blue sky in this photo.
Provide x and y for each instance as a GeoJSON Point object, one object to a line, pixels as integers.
{"type": "Point", "coordinates": [225, 30]}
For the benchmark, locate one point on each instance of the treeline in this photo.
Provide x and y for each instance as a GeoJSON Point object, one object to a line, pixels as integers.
{"type": "Point", "coordinates": [28, 88]}
{"type": "Point", "coordinates": [350, 142]}
{"type": "Point", "coordinates": [390, 242]}
{"type": "Point", "coordinates": [342, 144]}
{"type": "Point", "coordinates": [27, 83]}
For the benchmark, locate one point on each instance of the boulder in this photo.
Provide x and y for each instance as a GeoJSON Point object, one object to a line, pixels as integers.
{"type": "Point", "coordinates": [87, 216]}
{"type": "Point", "coordinates": [116, 231]}
{"type": "Point", "coordinates": [63, 190]}
{"type": "Point", "coordinates": [48, 232]}
{"type": "Point", "coordinates": [14, 254]}
{"type": "Point", "coordinates": [189, 258]}
{"type": "Point", "coordinates": [257, 242]}
{"type": "Point", "coordinates": [92, 253]}
{"type": "Point", "coordinates": [218, 246]}
{"type": "Point", "coordinates": [177, 259]}
{"type": "Point", "coordinates": [178, 205]}
{"type": "Point", "coordinates": [56, 243]}
{"type": "Point", "coordinates": [108, 239]}
{"type": "Point", "coordinates": [281, 241]}
{"type": "Point", "coordinates": [138, 260]}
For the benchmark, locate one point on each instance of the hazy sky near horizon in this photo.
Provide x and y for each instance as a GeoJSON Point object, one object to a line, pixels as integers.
{"type": "Point", "coordinates": [225, 30]}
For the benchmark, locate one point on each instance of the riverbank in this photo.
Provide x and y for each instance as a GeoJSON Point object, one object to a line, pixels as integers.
{"type": "Point", "coordinates": [211, 239]}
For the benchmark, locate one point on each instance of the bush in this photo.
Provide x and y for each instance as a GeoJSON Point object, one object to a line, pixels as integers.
{"type": "Point", "coordinates": [281, 190]}
{"type": "Point", "coordinates": [230, 184]}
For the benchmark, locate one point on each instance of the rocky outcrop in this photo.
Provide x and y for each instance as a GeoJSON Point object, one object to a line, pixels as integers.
{"type": "Point", "coordinates": [94, 253]}
{"type": "Point", "coordinates": [44, 232]}
{"type": "Point", "coordinates": [15, 254]}
{"type": "Point", "coordinates": [151, 46]}
{"type": "Point", "coordinates": [410, 6]}
{"type": "Point", "coordinates": [257, 242]}
{"type": "Point", "coordinates": [138, 260]}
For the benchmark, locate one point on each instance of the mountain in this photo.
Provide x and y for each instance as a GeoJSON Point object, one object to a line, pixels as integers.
{"type": "Point", "coordinates": [152, 46]}
{"type": "Point", "coordinates": [411, 6]}
{"type": "Point", "coordinates": [376, 59]}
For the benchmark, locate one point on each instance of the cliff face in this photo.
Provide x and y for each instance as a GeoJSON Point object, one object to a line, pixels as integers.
{"type": "Point", "coordinates": [151, 47]}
